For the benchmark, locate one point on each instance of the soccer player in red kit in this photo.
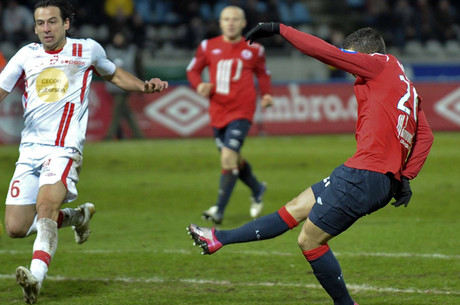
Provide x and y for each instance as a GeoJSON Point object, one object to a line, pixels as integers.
{"type": "Point", "coordinates": [232, 64]}
{"type": "Point", "coordinates": [393, 141]}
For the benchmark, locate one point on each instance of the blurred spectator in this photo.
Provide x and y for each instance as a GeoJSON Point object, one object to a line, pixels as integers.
{"type": "Point", "coordinates": [119, 8]}
{"type": "Point", "coordinates": [159, 12]}
{"type": "Point", "coordinates": [18, 22]}
{"type": "Point", "coordinates": [445, 15]}
{"type": "Point", "coordinates": [85, 10]}
{"type": "Point", "coordinates": [336, 39]}
{"type": "Point", "coordinates": [403, 23]}
{"type": "Point", "coordinates": [119, 13]}
{"type": "Point", "coordinates": [255, 13]}
{"type": "Point", "coordinates": [294, 12]}
{"type": "Point", "coordinates": [123, 54]}
{"type": "Point", "coordinates": [424, 21]}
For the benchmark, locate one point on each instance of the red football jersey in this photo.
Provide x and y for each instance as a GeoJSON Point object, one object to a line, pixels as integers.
{"type": "Point", "coordinates": [392, 133]}
{"type": "Point", "coordinates": [232, 67]}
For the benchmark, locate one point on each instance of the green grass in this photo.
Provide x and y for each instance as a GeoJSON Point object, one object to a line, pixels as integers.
{"type": "Point", "coordinates": [146, 192]}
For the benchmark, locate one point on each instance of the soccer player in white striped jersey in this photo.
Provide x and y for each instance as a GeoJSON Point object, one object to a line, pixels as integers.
{"type": "Point", "coordinates": [57, 74]}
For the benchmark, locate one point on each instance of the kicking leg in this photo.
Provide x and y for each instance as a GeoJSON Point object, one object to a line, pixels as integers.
{"type": "Point", "coordinates": [268, 226]}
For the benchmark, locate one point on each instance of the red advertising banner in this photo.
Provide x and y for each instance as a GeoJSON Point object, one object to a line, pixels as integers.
{"type": "Point", "coordinates": [298, 109]}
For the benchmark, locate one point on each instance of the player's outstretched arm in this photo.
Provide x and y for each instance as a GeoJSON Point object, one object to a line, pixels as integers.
{"type": "Point", "coordinates": [129, 82]}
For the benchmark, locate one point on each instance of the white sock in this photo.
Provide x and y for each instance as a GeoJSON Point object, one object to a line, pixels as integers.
{"type": "Point", "coordinates": [45, 246]}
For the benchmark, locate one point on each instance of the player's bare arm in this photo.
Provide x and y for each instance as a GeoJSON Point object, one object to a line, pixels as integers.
{"type": "Point", "coordinates": [129, 82]}
{"type": "Point", "coordinates": [204, 89]}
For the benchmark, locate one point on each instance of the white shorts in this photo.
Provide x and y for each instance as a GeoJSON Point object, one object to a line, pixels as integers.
{"type": "Point", "coordinates": [39, 165]}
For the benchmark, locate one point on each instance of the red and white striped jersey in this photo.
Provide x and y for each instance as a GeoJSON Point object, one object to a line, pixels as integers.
{"type": "Point", "coordinates": [57, 86]}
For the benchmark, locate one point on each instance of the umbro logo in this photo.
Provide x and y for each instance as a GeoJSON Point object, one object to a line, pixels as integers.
{"type": "Point", "coordinates": [181, 110]}
{"type": "Point", "coordinates": [449, 107]}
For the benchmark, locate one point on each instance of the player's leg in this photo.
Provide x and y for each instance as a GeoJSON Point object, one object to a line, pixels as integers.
{"type": "Point", "coordinates": [57, 179]}
{"type": "Point", "coordinates": [342, 199]}
{"type": "Point", "coordinates": [229, 171]}
{"type": "Point", "coordinates": [235, 134]}
{"type": "Point", "coordinates": [49, 200]}
{"type": "Point", "coordinates": [313, 242]}
{"type": "Point", "coordinates": [20, 212]}
{"type": "Point", "coordinates": [19, 219]}
{"type": "Point", "coordinates": [257, 188]}
{"type": "Point", "coordinates": [227, 181]}
{"type": "Point", "coordinates": [265, 227]}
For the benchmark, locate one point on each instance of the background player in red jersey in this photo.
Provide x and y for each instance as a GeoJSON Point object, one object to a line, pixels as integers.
{"type": "Point", "coordinates": [232, 64]}
{"type": "Point", "coordinates": [393, 142]}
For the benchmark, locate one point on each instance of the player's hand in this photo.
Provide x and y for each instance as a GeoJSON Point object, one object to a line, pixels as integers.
{"type": "Point", "coordinates": [155, 85]}
{"type": "Point", "coordinates": [204, 89]}
{"type": "Point", "coordinates": [263, 29]}
{"type": "Point", "coordinates": [267, 101]}
{"type": "Point", "coordinates": [403, 193]}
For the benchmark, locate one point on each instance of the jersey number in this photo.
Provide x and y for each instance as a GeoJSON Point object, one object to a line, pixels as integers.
{"type": "Point", "coordinates": [14, 192]}
{"type": "Point", "coordinates": [224, 74]}
{"type": "Point", "coordinates": [406, 97]}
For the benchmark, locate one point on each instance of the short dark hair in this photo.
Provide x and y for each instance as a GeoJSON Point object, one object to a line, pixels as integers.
{"type": "Point", "coordinates": [365, 40]}
{"type": "Point", "coordinates": [66, 8]}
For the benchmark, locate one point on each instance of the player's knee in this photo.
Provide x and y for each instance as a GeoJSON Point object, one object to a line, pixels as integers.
{"type": "Point", "coordinates": [15, 231]}
{"type": "Point", "coordinates": [228, 162]}
{"type": "Point", "coordinates": [302, 241]}
{"type": "Point", "coordinates": [308, 242]}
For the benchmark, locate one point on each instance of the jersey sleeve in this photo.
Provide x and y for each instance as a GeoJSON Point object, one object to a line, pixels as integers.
{"type": "Point", "coordinates": [196, 65]}
{"type": "Point", "coordinates": [100, 61]}
{"type": "Point", "coordinates": [420, 149]}
{"type": "Point", "coordinates": [364, 65]}
{"type": "Point", "coordinates": [13, 70]}
{"type": "Point", "coordinates": [262, 74]}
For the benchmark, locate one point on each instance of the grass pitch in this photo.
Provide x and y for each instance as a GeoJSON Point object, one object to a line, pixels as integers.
{"type": "Point", "coordinates": [146, 192]}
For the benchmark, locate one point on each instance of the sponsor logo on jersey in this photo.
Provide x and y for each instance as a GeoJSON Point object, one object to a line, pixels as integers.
{"type": "Point", "coordinates": [73, 62]}
{"type": "Point", "coordinates": [246, 54]}
{"type": "Point", "coordinates": [51, 85]}
{"type": "Point", "coordinates": [216, 51]}
{"type": "Point", "coordinates": [54, 60]}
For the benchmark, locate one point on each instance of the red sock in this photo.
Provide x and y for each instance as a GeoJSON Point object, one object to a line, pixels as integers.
{"type": "Point", "coordinates": [287, 218]}
{"type": "Point", "coordinates": [43, 256]}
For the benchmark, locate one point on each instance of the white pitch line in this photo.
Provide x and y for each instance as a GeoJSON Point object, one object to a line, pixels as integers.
{"type": "Point", "coordinates": [130, 280]}
{"type": "Point", "coordinates": [249, 252]}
